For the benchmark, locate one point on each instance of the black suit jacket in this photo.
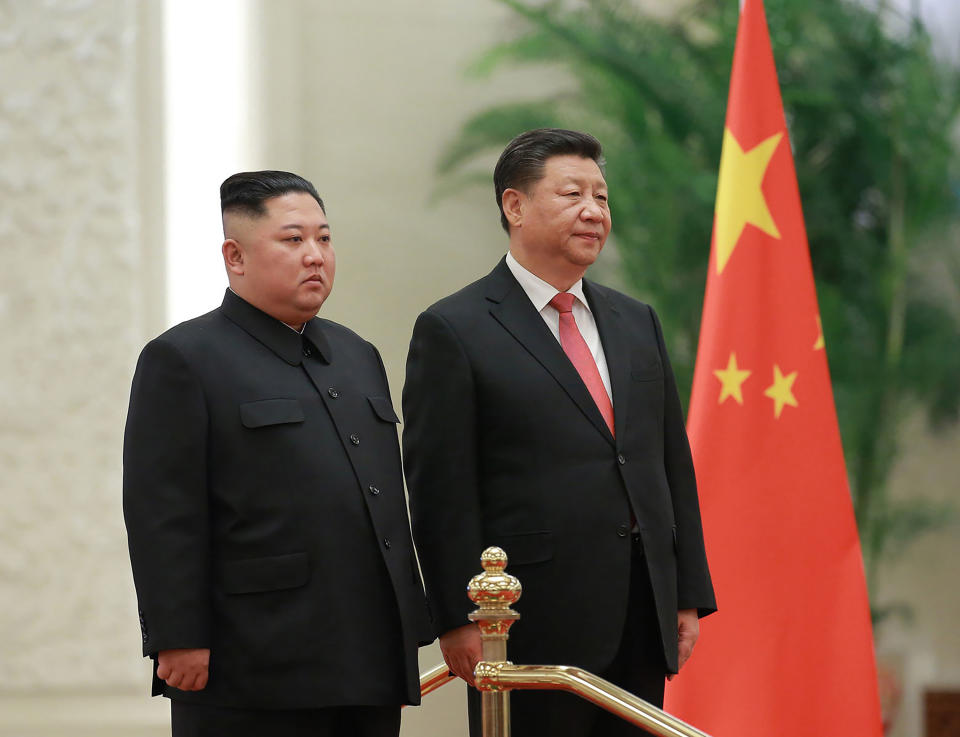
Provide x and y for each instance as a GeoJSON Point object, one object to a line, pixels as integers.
{"type": "Point", "coordinates": [503, 445]}
{"type": "Point", "coordinates": [264, 502]}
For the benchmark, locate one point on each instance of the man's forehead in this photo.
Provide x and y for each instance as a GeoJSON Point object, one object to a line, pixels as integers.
{"type": "Point", "coordinates": [294, 210]}
{"type": "Point", "coordinates": [292, 202]}
{"type": "Point", "coordinates": [572, 167]}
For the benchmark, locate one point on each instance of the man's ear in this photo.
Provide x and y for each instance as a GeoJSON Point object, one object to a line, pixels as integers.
{"type": "Point", "coordinates": [513, 201]}
{"type": "Point", "coordinates": [233, 257]}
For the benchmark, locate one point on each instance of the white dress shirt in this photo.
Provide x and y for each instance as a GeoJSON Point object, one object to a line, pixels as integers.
{"type": "Point", "coordinates": [540, 294]}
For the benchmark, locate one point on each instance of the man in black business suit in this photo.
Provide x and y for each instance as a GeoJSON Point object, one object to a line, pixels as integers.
{"type": "Point", "coordinates": [511, 439]}
{"type": "Point", "coordinates": [263, 495]}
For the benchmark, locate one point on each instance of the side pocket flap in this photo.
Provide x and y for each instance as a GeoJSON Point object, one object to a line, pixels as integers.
{"type": "Point", "coordinates": [264, 574]}
{"type": "Point", "coordinates": [383, 409]}
{"type": "Point", "coordinates": [526, 547]}
{"type": "Point", "coordinates": [270, 412]}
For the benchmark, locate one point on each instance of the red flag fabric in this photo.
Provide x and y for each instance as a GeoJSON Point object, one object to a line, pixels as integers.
{"type": "Point", "coordinates": [790, 651]}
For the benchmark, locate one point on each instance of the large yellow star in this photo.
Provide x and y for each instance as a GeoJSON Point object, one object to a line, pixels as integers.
{"type": "Point", "coordinates": [740, 198]}
{"type": "Point", "coordinates": [731, 380]}
{"type": "Point", "coordinates": [781, 392]}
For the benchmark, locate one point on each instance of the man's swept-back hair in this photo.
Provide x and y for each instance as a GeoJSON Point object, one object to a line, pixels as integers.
{"type": "Point", "coordinates": [246, 192]}
{"type": "Point", "coordinates": [522, 162]}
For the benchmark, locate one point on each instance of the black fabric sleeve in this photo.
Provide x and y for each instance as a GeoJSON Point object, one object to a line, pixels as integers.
{"type": "Point", "coordinates": [440, 463]}
{"type": "Point", "coordinates": [165, 500]}
{"type": "Point", "coordinates": [694, 586]}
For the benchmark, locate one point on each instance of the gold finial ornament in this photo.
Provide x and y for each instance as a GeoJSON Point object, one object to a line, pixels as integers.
{"type": "Point", "coordinates": [493, 590]}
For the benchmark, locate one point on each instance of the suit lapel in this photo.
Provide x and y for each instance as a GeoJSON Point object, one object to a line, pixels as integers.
{"type": "Point", "coordinates": [511, 307]}
{"type": "Point", "coordinates": [615, 349]}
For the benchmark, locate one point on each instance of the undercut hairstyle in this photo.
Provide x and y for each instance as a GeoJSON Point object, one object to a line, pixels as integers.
{"type": "Point", "coordinates": [245, 193]}
{"type": "Point", "coordinates": [522, 162]}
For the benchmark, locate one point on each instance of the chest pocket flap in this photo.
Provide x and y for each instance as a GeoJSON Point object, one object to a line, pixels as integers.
{"type": "Point", "coordinates": [383, 409]}
{"type": "Point", "coordinates": [270, 412]}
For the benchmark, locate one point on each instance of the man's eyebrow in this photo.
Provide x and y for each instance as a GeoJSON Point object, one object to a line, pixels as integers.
{"type": "Point", "coordinates": [579, 183]}
{"type": "Point", "coordinates": [298, 226]}
{"type": "Point", "coordinates": [581, 178]}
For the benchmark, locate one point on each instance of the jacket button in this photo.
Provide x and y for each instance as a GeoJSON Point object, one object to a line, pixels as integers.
{"type": "Point", "coordinates": [386, 543]}
{"type": "Point", "coordinates": [333, 393]}
{"type": "Point", "coordinates": [620, 459]}
{"type": "Point", "coordinates": [355, 439]}
{"type": "Point", "coordinates": [622, 531]}
{"type": "Point", "coordinates": [373, 490]}
{"type": "Point", "coordinates": [306, 351]}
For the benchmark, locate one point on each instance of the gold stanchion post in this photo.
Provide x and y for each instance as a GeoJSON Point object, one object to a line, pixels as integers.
{"type": "Point", "coordinates": [494, 592]}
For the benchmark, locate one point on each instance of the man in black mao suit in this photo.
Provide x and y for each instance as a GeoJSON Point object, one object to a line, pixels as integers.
{"type": "Point", "coordinates": [263, 495]}
{"type": "Point", "coordinates": [509, 441]}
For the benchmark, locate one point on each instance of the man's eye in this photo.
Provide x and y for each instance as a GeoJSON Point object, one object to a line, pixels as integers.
{"type": "Point", "coordinates": [295, 239]}
{"type": "Point", "coordinates": [325, 238]}
{"type": "Point", "coordinates": [572, 194]}
{"type": "Point", "coordinates": [602, 197]}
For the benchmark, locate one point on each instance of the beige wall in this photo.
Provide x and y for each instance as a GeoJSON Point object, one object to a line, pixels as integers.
{"type": "Point", "coordinates": [74, 304]}
{"type": "Point", "coordinates": [360, 97]}
{"type": "Point", "coordinates": [79, 290]}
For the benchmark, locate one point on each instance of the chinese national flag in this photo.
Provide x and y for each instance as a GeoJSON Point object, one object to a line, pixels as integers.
{"type": "Point", "coordinates": [790, 651]}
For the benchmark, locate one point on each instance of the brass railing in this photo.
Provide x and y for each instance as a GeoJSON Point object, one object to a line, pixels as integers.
{"type": "Point", "coordinates": [434, 678]}
{"type": "Point", "coordinates": [494, 592]}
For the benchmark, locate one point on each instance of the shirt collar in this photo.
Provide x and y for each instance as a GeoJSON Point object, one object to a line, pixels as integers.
{"type": "Point", "coordinates": [539, 291]}
{"type": "Point", "coordinates": [277, 336]}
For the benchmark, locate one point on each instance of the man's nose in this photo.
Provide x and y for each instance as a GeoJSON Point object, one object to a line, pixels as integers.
{"type": "Point", "coordinates": [592, 210]}
{"type": "Point", "coordinates": [313, 253]}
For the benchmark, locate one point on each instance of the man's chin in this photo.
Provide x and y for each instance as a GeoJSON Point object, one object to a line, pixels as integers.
{"type": "Point", "coordinates": [585, 256]}
{"type": "Point", "coordinates": [310, 309]}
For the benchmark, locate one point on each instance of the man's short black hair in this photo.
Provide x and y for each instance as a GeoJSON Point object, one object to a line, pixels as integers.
{"type": "Point", "coordinates": [246, 192]}
{"type": "Point", "coordinates": [522, 162]}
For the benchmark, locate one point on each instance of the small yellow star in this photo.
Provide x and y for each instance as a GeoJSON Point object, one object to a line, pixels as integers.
{"type": "Point", "coordinates": [781, 392]}
{"type": "Point", "coordinates": [740, 198]}
{"type": "Point", "coordinates": [731, 379]}
{"type": "Point", "coordinates": [819, 344]}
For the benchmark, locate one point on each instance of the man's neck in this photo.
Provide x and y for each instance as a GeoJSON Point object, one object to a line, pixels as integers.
{"type": "Point", "coordinates": [559, 278]}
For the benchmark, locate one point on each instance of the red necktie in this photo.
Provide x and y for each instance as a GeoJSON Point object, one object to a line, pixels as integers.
{"type": "Point", "coordinates": [580, 356]}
